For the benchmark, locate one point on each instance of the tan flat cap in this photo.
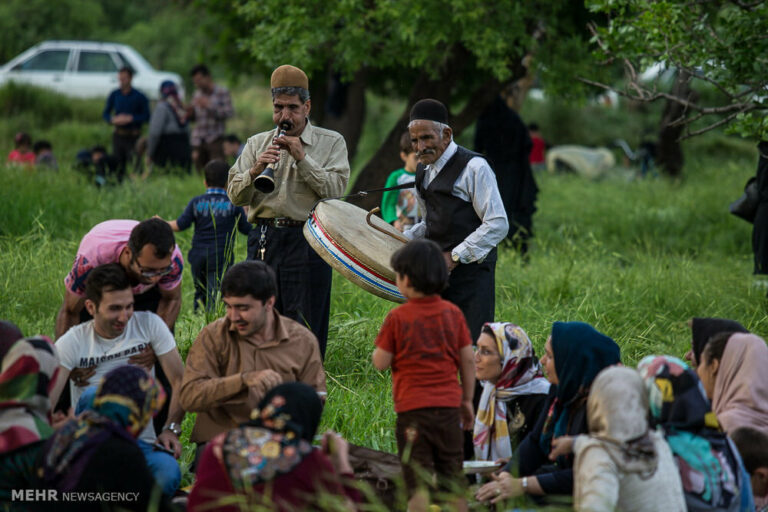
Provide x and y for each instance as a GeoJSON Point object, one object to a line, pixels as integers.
{"type": "Point", "coordinates": [288, 76]}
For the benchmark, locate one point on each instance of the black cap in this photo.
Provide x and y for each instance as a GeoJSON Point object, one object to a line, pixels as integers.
{"type": "Point", "coordinates": [429, 110]}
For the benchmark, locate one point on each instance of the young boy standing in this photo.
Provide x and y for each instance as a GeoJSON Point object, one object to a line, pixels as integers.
{"type": "Point", "coordinates": [426, 342]}
{"type": "Point", "coordinates": [399, 207]}
{"type": "Point", "coordinates": [215, 219]}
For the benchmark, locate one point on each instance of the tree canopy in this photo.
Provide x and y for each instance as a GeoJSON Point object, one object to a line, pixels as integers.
{"type": "Point", "coordinates": [461, 52]}
{"type": "Point", "coordinates": [720, 45]}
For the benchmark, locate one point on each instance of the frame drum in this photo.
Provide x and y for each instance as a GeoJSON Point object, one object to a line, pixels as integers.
{"type": "Point", "coordinates": [339, 233]}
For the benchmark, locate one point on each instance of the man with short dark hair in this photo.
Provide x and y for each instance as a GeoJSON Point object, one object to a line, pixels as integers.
{"type": "Point", "coordinates": [235, 360]}
{"type": "Point", "coordinates": [147, 251]}
{"type": "Point", "coordinates": [109, 340]}
{"type": "Point", "coordinates": [126, 109]}
{"type": "Point", "coordinates": [310, 164]}
{"type": "Point", "coordinates": [463, 212]}
{"type": "Point", "coordinates": [212, 106]}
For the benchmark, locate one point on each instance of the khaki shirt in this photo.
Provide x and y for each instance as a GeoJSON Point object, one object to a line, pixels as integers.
{"type": "Point", "coordinates": [213, 385]}
{"type": "Point", "coordinates": [323, 173]}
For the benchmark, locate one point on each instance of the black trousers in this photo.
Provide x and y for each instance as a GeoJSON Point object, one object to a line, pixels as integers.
{"type": "Point", "coordinates": [760, 239]}
{"type": "Point", "coordinates": [207, 271]}
{"type": "Point", "coordinates": [303, 278]}
{"type": "Point", "coordinates": [124, 151]}
{"type": "Point", "coordinates": [147, 301]}
{"type": "Point", "coordinates": [472, 287]}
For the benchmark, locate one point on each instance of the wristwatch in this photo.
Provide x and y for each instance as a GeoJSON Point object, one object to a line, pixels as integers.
{"type": "Point", "coordinates": [173, 427]}
{"type": "Point", "coordinates": [524, 483]}
{"type": "Point", "coordinates": [454, 257]}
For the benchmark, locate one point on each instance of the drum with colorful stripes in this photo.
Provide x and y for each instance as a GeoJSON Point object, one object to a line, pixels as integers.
{"type": "Point", "coordinates": [341, 235]}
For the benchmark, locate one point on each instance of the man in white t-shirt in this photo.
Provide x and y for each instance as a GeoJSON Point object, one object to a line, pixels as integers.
{"type": "Point", "coordinates": [109, 340]}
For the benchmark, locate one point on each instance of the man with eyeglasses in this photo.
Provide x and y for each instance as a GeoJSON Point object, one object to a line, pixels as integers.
{"type": "Point", "coordinates": [148, 252]}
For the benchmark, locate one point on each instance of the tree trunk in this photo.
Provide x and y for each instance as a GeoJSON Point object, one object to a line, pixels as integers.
{"type": "Point", "coordinates": [345, 109]}
{"type": "Point", "coordinates": [669, 153]}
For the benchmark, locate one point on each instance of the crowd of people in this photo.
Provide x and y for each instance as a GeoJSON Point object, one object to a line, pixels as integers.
{"type": "Point", "coordinates": [100, 410]}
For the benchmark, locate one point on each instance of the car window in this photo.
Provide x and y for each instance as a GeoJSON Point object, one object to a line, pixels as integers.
{"type": "Point", "coordinates": [48, 60]}
{"type": "Point", "coordinates": [100, 62]}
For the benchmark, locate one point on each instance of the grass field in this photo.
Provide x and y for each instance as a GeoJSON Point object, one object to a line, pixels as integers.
{"type": "Point", "coordinates": [634, 258]}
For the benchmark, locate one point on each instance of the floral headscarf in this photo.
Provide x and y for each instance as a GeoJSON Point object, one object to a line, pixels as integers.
{"type": "Point", "coordinates": [709, 464]}
{"type": "Point", "coordinates": [276, 439]}
{"type": "Point", "coordinates": [520, 375]}
{"type": "Point", "coordinates": [125, 402]}
{"type": "Point", "coordinates": [27, 375]}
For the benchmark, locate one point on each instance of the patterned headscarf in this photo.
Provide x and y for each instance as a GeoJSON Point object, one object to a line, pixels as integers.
{"type": "Point", "coordinates": [275, 441]}
{"type": "Point", "coordinates": [708, 463]}
{"type": "Point", "coordinates": [27, 375]}
{"type": "Point", "coordinates": [520, 375]}
{"type": "Point", "coordinates": [125, 402]}
{"type": "Point", "coordinates": [580, 352]}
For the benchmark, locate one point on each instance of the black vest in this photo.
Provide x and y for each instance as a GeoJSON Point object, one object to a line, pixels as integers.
{"type": "Point", "coordinates": [450, 219]}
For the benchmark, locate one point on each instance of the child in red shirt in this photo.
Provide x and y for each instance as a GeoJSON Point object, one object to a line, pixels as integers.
{"type": "Point", "coordinates": [22, 154]}
{"type": "Point", "coordinates": [426, 342]}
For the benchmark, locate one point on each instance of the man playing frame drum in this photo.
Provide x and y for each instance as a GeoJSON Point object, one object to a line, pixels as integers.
{"type": "Point", "coordinates": [304, 164]}
{"type": "Point", "coordinates": [464, 214]}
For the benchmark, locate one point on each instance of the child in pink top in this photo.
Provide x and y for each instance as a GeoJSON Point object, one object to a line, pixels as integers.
{"type": "Point", "coordinates": [22, 154]}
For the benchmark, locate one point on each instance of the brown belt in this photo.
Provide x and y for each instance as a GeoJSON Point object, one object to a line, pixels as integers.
{"type": "Point", "coordinates": [279, 222]}
{"type": "Point", "coordinates": [127, 132]}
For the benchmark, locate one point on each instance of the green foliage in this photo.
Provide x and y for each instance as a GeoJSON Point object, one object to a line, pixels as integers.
{"type": "Point", "coordinates": [24, 23]}
{"type": "Point", "coordinates": [396, 36]}
{"type": "Point", "coordinates": [721, 43]}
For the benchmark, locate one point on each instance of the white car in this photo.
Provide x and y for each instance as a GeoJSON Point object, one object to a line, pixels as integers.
{"type": "Point", "coordinates": [84, 69]}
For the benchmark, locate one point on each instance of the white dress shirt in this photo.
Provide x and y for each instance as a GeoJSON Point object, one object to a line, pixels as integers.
{"type": "Point", "coordinates": [476, 184]}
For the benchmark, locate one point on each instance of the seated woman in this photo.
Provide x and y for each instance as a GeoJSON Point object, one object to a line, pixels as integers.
{"type": "Point", "coordinates": [27, 375]}
{"type": "Point", "coordinates": [574, 354]}
{"type": "Point", "coordinates": [711, 470]}
{"type": "Point", "coordinates": [733, 371]}
{"type": "Point", "coordinates": [97, 451]}
{"type": "Point", "coordinates": [269, 461]}
{"type": "Point", "coordinates": [702, 330]}
{"type": "Point", "coordinates": [621, 464]}
{"type": "Point", "coordinates": [514, 390]}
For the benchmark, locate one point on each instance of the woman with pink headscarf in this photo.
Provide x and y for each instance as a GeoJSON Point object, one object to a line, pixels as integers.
{"type": "Point", "coordinates": [734, 373]}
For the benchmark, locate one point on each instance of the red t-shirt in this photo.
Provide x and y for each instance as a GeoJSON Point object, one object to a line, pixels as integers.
{"type": "Point", "coordinates": [425, 337]}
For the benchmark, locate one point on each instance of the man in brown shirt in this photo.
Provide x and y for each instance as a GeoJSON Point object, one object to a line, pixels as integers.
{"type": "Point", "coordinates": [235, 360]}
{"type": "Point", "coordinates": [309, 163]}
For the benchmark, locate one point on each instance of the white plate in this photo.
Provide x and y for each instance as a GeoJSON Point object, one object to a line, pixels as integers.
{"type": "Point", "coordinates": [480, 466]}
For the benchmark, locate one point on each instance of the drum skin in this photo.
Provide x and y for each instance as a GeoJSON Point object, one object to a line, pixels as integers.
{"type": "Point", "coordinates": [339, 233]}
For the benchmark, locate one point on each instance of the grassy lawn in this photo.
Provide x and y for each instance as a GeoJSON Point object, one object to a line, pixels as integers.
{"type": "Point", "coordinates": [634, 258]}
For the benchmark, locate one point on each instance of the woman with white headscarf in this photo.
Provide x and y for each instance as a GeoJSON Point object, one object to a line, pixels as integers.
{"type": "Point", "coordinates": [622, 464]}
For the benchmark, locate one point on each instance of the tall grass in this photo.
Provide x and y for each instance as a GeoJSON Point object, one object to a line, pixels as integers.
{"type": "Point", "coordinates": [634, 258]}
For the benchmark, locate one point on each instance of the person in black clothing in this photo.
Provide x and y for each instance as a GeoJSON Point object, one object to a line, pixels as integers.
{"type": "Point", "coordinates": [105, 166]}
{"type": "Point", "coordinates": [760, 226]}
{"type": "Point", "coordinates": [503, 138]}
{"type": "Point", "coordinates": [574, 354]}
{"type": "Point", "coordinates": [514, 390]}
{"type": "Point", "coordinates": [215, 219]}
